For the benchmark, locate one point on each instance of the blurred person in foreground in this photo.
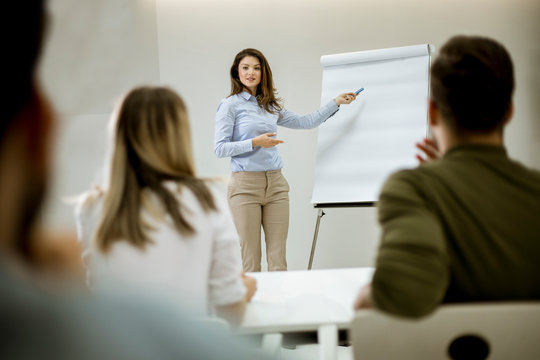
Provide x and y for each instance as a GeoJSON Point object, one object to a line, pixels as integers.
{"type": "Point", "coordinates": [65, 325]}
{"type": "Point", "coordinates": [463, 227]}
{"type": "Point", "coordinates": [155, 226]}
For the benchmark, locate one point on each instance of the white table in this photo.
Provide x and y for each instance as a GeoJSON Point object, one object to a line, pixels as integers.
{"type": "Point", "coordinates": [316, 300]}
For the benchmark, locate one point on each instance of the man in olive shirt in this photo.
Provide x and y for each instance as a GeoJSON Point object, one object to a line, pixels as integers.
{"type": "Point", "coordinates": [465, 227]}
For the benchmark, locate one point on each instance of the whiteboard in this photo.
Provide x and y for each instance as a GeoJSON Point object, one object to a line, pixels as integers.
{"type": "Point", "coordinates": [366, 141]}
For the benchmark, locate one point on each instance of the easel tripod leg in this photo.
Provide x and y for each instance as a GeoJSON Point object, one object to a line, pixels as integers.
{"type": "Point", "coordinates": [320, 214]}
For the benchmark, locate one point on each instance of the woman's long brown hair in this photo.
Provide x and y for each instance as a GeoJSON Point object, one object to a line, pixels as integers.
{"type": "Point", "coordinates": [152, 144]}
{"type": "Point", "coordinates": [266, 93]}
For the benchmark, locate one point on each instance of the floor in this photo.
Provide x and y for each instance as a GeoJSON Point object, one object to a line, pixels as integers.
{"type": "Point", "coordinates": [311, 352]}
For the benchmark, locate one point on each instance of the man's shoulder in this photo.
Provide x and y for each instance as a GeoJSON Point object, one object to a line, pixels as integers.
{"type": "Point", "coordinates": [426, 171]}
{"type": "Point", "coordinates": [526, 170]}
{"type": "Point", "coordinates": [411, 185]}
{"type": "Point", "coordinates": [410, 176]}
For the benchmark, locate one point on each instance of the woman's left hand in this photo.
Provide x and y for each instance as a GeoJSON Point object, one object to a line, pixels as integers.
{"type": "Point", "coordinates": [345, 98]}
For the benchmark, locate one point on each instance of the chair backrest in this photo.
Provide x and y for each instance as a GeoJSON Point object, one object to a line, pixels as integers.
{"type": "Point", "coordinates": [509, 330]}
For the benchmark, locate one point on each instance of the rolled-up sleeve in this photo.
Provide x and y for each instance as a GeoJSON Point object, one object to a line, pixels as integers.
{"type": "Point", "coordinates": [412, 268]}
{"type": "Point", "coordinates": [291, 120]}
{"type": "Point", "coordinates": [224, 146]}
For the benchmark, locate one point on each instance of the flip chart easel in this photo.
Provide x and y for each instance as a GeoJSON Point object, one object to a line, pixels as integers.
{"type": "Point", "coordinates": [366, 141]}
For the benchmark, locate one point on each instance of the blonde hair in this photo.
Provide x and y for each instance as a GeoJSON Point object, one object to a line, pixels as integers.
{"type": "Point", "coordinates": [152, 144]}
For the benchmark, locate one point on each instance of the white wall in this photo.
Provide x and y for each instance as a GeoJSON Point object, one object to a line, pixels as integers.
{"type": "Point", "coordinates": [193, 47]}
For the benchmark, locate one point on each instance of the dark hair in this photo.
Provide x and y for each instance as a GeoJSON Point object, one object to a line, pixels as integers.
{"type": "Point", "coordinates": [266, 93]}
{"type": "Point", "coordinates": [23, 25]}
{"type": "Point", "coordinates": [472, 81]}
{"type": "Point", "coordinates": [24, 107]}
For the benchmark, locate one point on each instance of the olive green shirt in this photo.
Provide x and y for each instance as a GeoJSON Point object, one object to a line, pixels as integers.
{"type": "Point", "coordinates": [463, 228]}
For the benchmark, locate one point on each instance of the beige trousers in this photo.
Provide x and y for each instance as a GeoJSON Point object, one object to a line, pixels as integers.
{"type": "Point", "coordinates": [260, 198]}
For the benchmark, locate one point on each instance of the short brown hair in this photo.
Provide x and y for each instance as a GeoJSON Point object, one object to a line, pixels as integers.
{"type": "Point", "coordinates": [472, 82]}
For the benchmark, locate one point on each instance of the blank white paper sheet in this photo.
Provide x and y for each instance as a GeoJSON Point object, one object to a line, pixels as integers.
{"type": "Point", "coordinates": [366, 141]}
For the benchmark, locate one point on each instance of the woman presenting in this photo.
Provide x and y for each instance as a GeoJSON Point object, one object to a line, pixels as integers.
{"type": "Point", "coordinates": [246, 126]}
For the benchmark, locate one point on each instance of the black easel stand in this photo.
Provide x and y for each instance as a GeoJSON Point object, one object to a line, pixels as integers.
{"type": "Point", "coordinates": [320, 214]}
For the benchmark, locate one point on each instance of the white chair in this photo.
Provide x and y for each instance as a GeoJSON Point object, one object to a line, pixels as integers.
{"type": "Point", "coordinates": [508, 330]}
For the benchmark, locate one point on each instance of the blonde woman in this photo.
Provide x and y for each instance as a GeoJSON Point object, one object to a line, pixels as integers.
{"type": "Point", "coordinates": [157, 227]}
